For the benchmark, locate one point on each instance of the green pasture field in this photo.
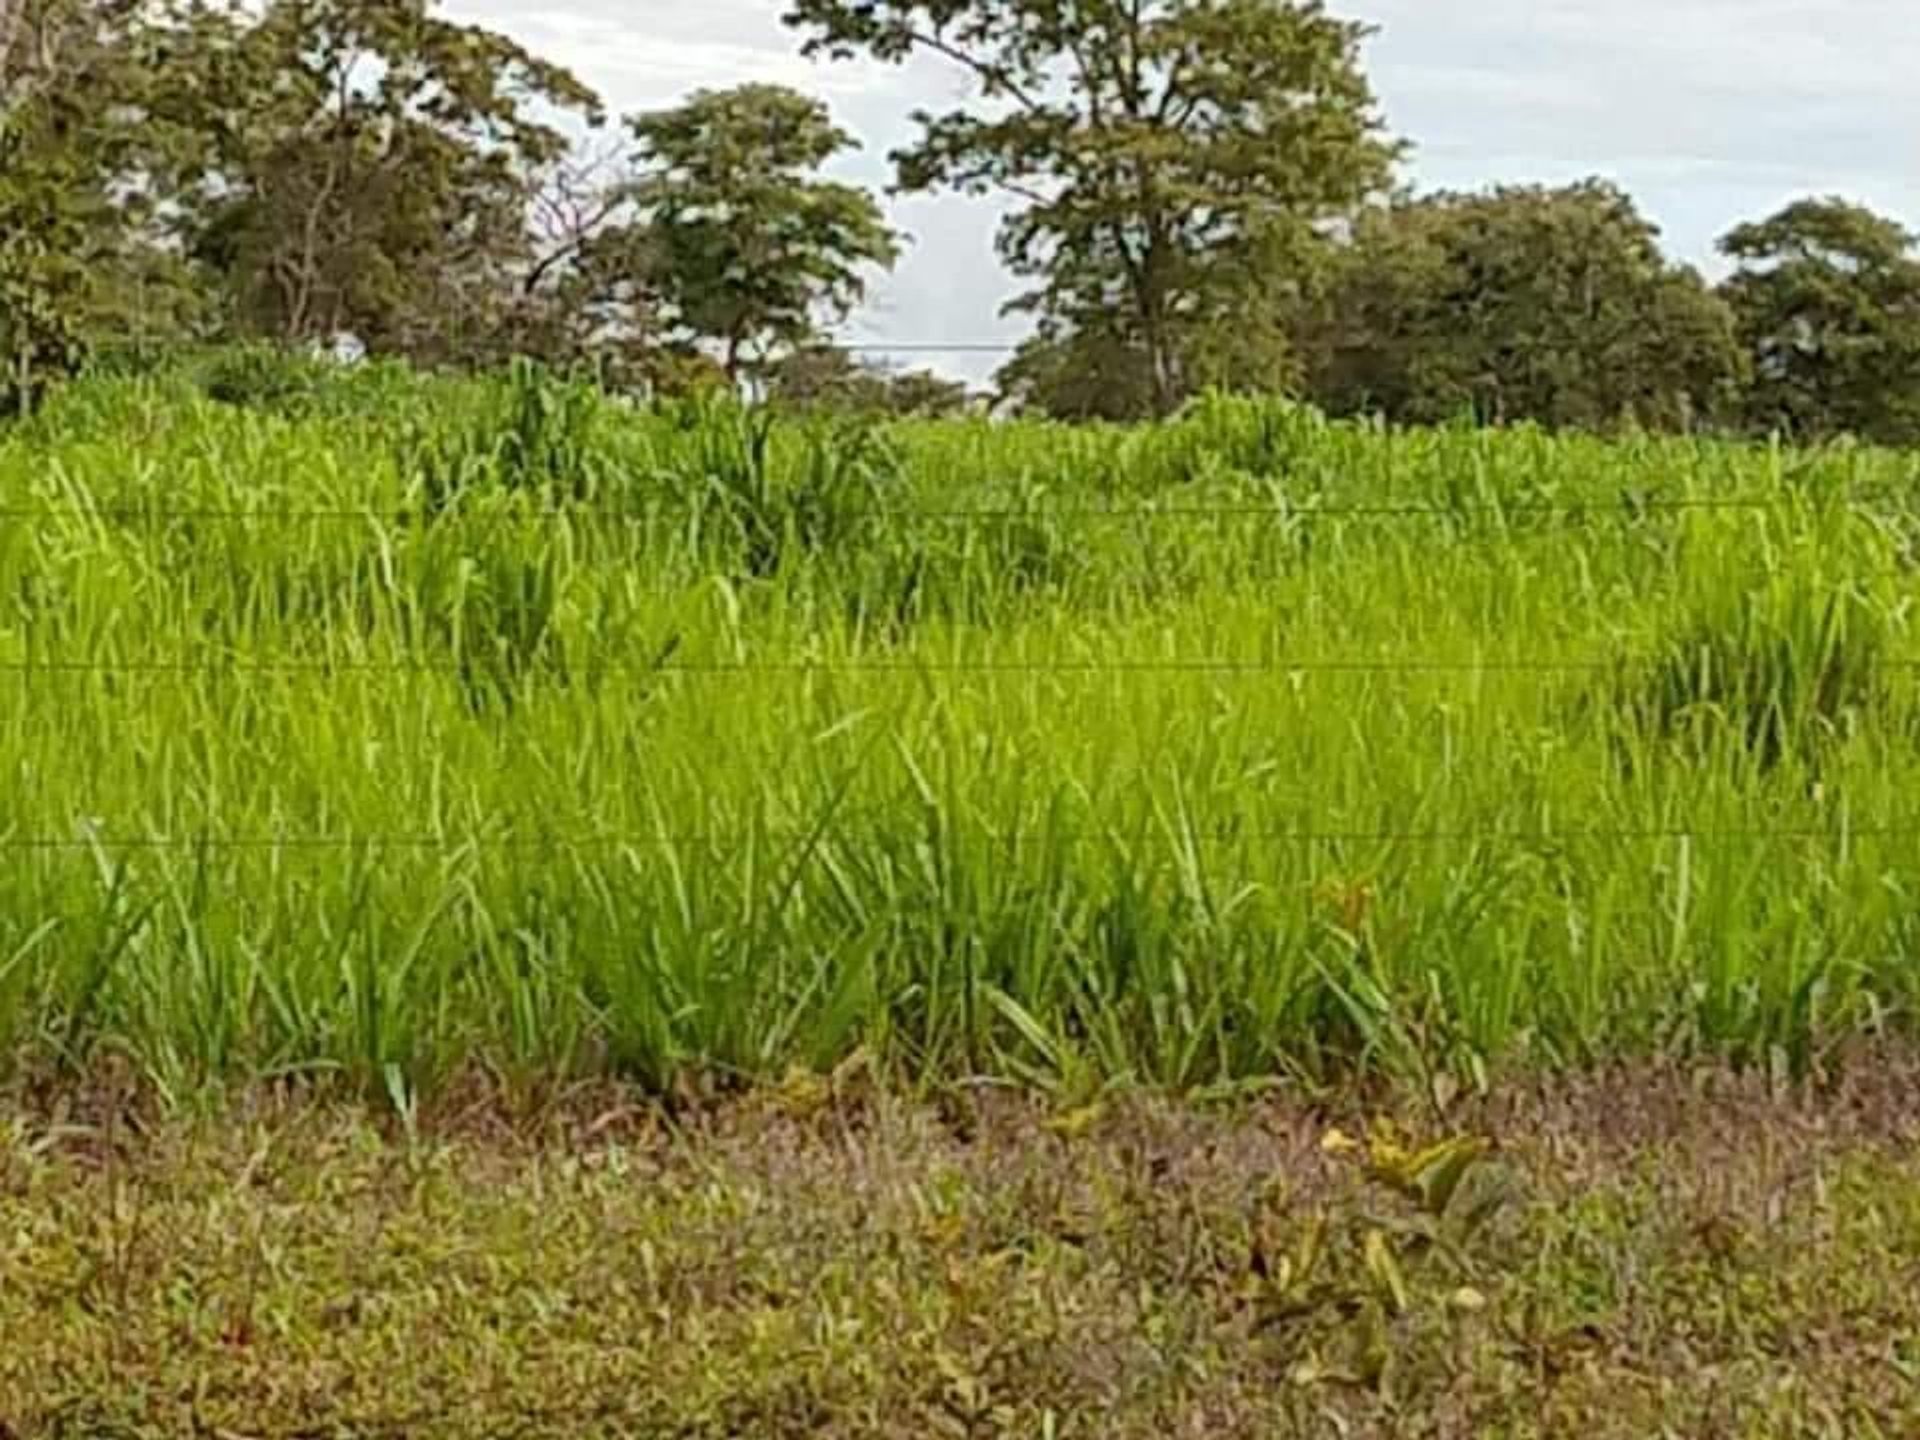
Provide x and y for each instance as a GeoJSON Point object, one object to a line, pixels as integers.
{"type": "Point", "coordinates": [391, 728]}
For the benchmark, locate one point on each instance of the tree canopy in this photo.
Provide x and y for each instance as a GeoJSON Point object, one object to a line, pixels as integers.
{"type": "Point", "coordinates": [1172, 162]}
{"type": "Point", "coordinates": [1196, 194]}
{"type": "Point", "coordinates": [92, 134]}
{"type": "Point", "coordinates": [1520, 303]}
{"type": "Point", "coordinates": [1827, 298]}
{"type": "Point", "coordinates": [830, 377]}
{"type": "Point", "coordinates": [750, 248]}
{"type": "Point", "coordinates": [370, 173]}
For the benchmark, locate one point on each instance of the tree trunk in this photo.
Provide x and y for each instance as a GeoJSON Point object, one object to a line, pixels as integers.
{"type": "Point", "coordinates": [1162, 361]}
{"type": "Point", "coordinates": [12, 13]}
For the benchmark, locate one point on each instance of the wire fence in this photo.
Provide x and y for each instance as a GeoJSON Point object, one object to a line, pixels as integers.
{"type": "Point", "coordinates": [1284, 509]}
{"type": "Point", "coordinates": [1629, 508]}
{"type": "Point", "coordinates": [477, 665]}
{"type": "Point", "coordinates": [818, 832]}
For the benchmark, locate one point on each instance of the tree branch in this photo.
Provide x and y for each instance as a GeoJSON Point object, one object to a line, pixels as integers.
{"type": "Point", "coordinates": [992, 76]}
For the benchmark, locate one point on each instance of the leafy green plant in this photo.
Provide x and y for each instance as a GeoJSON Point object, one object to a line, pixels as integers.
{"type": "Point", "coordinates": [815, 495]}
{"type": "Point", "coordinates": [551, 435]}
{"type": "Point", "coordinates": [529, 432]}
{"type": "Point", "coordinates": [1782, 660]}
{"type": "Point", "coordinates": [261, 377]}
{"type": "Point", "coordinates": [42, 272]}
{"type": "Point", "coordinates": [1339, 1298]}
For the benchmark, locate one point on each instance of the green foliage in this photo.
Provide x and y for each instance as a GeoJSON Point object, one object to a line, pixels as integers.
{"type": "Point", "coordinates": [751, 250]}
{"type": "Point", "coordinates": [42, 273]}
{"type": "Point", "coordinates": [494, 609]}
{"type": "Point", "coordinates": [828, 378]}
{"type": "Point", "coordinates": [527, 432]}
{"type": "Point", "coordinates": [551, 439]}
{"type": "Point", "coordinates": [261, 377]}
{"type": "Point", "coordinates": [1170, 164]}
{"type": "Point", "coordinates": [1828, 302]}
{"type": "Point", "coordinates": [699, 738]}
{"type": "Point", "coordinates": [371, 172]}
{"type": "Point", "coordinates": [85, 136]}
{"type": "Point", "coordinates": [1780, 657]}
{"type": "Point", "coordinates": [1548, 305]}
{"type": "Point", "coordinates": [1191, 189]}
{"type": "Point", "coordinates": [1083, 374]}
{"type": "Point", "coordinates": [783, 505]}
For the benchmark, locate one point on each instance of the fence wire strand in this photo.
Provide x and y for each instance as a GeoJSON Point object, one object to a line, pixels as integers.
{"type": "Point", "coordinates": [478, 667]}
{"type": "Point", "coordinates": [817, 833]}
{"type": "Point", "coordinates": [1625, 508]}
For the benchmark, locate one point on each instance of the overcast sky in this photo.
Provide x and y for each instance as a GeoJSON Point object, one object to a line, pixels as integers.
{"type": "Point", "coordinates": [1708, 111]}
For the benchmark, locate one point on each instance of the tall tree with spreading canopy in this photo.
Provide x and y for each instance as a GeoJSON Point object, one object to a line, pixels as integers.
{"type": "Point", "coordinates": [1828, 301]}
{"type": "Point", "coordinates": [374, 171]}
{"type": "Point", "coordinates": [1173, 163]}
{"type": "Point", "coordinates": [1554, 305]}
{"type": "Point", "coordinates": [751, 251]}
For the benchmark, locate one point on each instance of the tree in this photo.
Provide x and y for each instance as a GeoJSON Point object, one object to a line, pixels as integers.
{"type": "Point", "coordinates": [1827, 296]}
{"type": "Point", "coordinates": [90, 135]}
{"type": "Point", "coordinates": [374, 169]}
{"type": "Point", "coordinates": [1096, 369]}
{"type": "Point", "coordinates": [1174, 163]}
{"type": "Point", "coordinates": [829, 377]}
{"type": "Point", "coordinates": [1093, 372]}
{"type": "Point", "coordinates": [1521, 303]}
{"type": "Point", "coordinates": [43, 279]}
{"type": "Point", "coordinates": [751, 250]}
{"type": "Point", "coordinates": [571, 304]}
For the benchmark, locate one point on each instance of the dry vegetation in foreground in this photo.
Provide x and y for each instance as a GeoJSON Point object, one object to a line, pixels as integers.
{"type": "Point", "coordinates": [1670, 1253]}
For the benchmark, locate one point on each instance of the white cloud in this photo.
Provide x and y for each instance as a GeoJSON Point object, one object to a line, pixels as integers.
{"type": "Point", "coordinates": [654, 52]}
{"type": "Point", "coordinates": [1710, 111]}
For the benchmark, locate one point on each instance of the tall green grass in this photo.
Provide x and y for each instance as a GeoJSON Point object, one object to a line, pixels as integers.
{"type": "Point", "coordinates": [390, 726]}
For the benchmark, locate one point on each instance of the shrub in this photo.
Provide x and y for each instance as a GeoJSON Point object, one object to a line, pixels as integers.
{"type": "Point", "coordinates": [1782, 661]}
{"type": "Point", "coordinates": [779, 497]}
{"type": "Point", "coordinates": [531, 432]}
{"type": "Point", "coordinates": [261, 377]}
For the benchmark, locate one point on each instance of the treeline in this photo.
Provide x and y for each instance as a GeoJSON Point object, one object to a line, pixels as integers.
{"type": "Point", "coordinates": [1200, 193]}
